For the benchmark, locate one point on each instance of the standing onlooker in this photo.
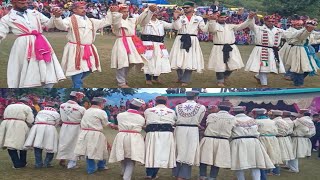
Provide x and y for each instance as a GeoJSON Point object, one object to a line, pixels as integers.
{"type": "Point", "coordinates": [315, 138]}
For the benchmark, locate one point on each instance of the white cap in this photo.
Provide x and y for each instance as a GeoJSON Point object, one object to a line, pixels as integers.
{"type": "Point", "coordinates": [75, 93]}
{"type": "Point", "coordinates": [276, 112]}
{"type": "Point", "coordinates": [137, 102]}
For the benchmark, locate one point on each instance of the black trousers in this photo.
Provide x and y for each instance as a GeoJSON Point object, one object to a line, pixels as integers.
{"type": "Point", "coordinates": [150, 77]}
{"type": "Point", "coordinates": [18, 160]}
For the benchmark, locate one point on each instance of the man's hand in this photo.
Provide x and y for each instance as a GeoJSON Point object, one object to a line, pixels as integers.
{"type": "Point", "coordinates": [214, 16]}
{"type": "Point", "coordinates": [252, 15]}
{"type": "Point", "coordinates": [153, 8]}
{"type": "Point", "coordinates": [114, 8]}
{"type": "Point", "coordinates": [57, 12]}
{"type": "Point", "coordinates": [176, 14]}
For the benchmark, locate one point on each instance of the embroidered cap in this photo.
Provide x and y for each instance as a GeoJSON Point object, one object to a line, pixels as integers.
{"type": "Point", "coordinates": [286, 113]}
{"type": "Point", "coordinates": [276, 112]}
{"type": "Point", "coordinates": [137, 102]}
{"type": "Point", "coordinates": [188, 4]}
{"type": "Point", "coordinates": [24, 99]}
{"type": "Point", "coordinates": [259, 111]}
{"type": "Point", "coordinates": [225, 104]}
{"type": "Point", "coordinates": [302, 111]}
{"type": "Point", "coordinates": [238, 109]}
{"type": "Point", "coordinates": [123, 6]}
{"type": "Point", "coordinates": [99, 100]}
{"type": "Point", "coordinates": [78, 4]}
{"type": "Point", "coordinates": [76, 93]}
{"type": "Point", "coordinates": [162, 98]}
{"type": "Point", "coordinates": [192, 93]}
{"type": "Point", "coordinates": [294, 114]}
{"type": "Point", "coordinates": [223, 14]}
{"type": "Point", "coordinates": [49, 109]}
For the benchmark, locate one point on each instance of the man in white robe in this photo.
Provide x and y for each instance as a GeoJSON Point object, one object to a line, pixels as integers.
{"type": "Point", "coordinates": [128, 50]}
{"type": "Point", "coordinates": [225, 56]}
{"type": "Point", "coordinates": [160, 145]}
{"type": "Point", "coordinates": [296, 24]}
{"type": "Point", "coordinates": [128, 146]}
{"type": "Point", "coordinates": [264, 58]}
{"type": "Point", "coordinates": [44, 136]}
{"type": "Point", "coordinates": [215, 146]}
{"type": "Point", "coordinates": [247, 152]}
{"type": "Point", "coordinates": [303, 130]}
{"type": "Point", "coordinates": [80, 56]}
{"type": "Point", "coordinates": [186, 54]}
{"type": "Point", "coordinates": [301, 60]}
{"type": "Point", "coordinates": [157, 55]}
{"type": "Point", "coordinates": [92, 143]}
{"type": "Point", "coordinates": [71, 115]}
{"type": "Point", "coordinates": [14, 131]}
{"type": "Point", "coordinates": [32, 61]}
{"type": "Point", "coordinates": [268, 132]}
{"type": "Point", "coordinates": [186, 134]}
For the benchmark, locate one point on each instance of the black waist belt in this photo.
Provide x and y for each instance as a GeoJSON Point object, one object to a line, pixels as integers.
{"type": "Point", "coordinates": [299, 136]}
{"type": "Point", "coordinates": [152, 38]}
{"type": "Point", "coordinates": [186, 41]}
{"type": "Point", "coordinates": [244, 137]}
{"type": "Point", "coordinates": [226, 51]}
{"type": "Point", "coordinates": [159, 128]}
{"type": "Point", "coordinates": [216, 137]}
{"type": "Point", "coordinates": [187, 125]}
{"type": "Point", "coordinates": [275, 51]}
{"type": "Point", "coordinates": [283, 136]}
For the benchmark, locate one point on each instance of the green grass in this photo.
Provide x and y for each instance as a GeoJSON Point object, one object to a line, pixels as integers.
{"type": "Point", "coordinates": [106, 78]}
{"type": "Point", "coordinates": [309, 170]}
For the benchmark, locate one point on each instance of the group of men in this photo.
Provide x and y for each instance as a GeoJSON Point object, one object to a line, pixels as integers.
{"type": "Point", "coordinates": [231, 139]}
{"type": "Point", "coordinates": [36, 64]}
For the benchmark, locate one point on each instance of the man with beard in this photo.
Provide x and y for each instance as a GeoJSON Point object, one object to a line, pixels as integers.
{"type": "Point", "coordinates": [160, 145]}
{"type": "Point", "coordinates": [301, 60]}
{"type": "Point", "coordinates": [14, 131]}
{"type": "Point", "coordinates": [186, 54]}
{"type": "Point", "coordinates": [32, 61]}
{"type": "Point", "coordinates": [296, 24]}
{"type": "Point", "coordinates": [71, 115]}
{"type": "Point", "coordinates": [225, 56]}
{"type": "Point", "coordinates": [189, 116]}
{"type": "Point", "coordinates": [128, 49]}
{"type": "Point", "coordinates": [80, 56]}
{"type": "Point", "coordinates": [264, 58]}
{"type": "Point", "coordinates": [152, 35]}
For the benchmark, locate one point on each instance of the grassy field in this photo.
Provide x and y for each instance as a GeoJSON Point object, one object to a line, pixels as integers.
{"type": "Point", "coordinates": [136, 78]}
{"type": "Point", "coordinates": [309, 170]}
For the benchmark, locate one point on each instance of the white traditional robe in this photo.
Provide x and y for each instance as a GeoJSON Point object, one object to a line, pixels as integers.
{"type": "Point", "coordinates": [129, 143]}
{"type": "Point", "coordinates": [263, 59]}
{"type": "Point", "coordinates": [187, 138]}
{"type": "Point", "coordinates": [298, 59]}
{"type": "Point", "coordinates": [224, 34]}
{"type": "Point", "coordinates": [127, 27]}
{"type": "Point", "coordinates": [304, 129]}
{"type": "Point", "coordinates": [214, 151]}
{"type": "Point", "coordinates": [284, 139]}
{"type": "Point", "coordinates": [180, 58]}
{"type": "Point", "coordinates": [290, 122]}
{"type": "Point", "coordinates": [268, 132]}
{"type": "Point", "coordinates": [160, 146]}
{"type": "Point", "coordinates": [284, 51]}
{"type": "Point", "coordinates": [44, 134]}
{"type": "Point", "coordinates": [71, 115]}
{"type": "Point", "coordinates": [23, 72]}
{"type": "Point", "coordinates": [87, 30]}
{"type": "Point", "coordinates": [158, 56]}
{"type": "Point", "coordinates": [14, 129]}
{"type": "Point", "coordinates": [92, 143]}
{"type": "Point", "coordinates": [247, 153]}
